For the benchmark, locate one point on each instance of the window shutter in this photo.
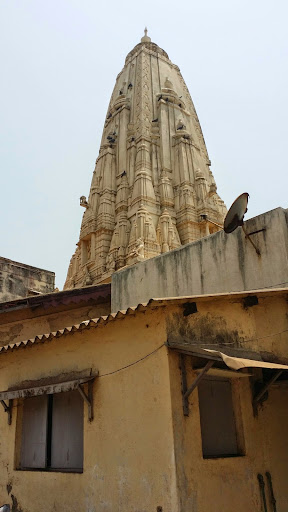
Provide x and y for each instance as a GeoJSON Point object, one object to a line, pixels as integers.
{"type": "Point", "coordinates": [34, 432]}
{"type": "Point", "coordinates": [217, 418]}
{"type": "Point", "coordinates": [67, 431]}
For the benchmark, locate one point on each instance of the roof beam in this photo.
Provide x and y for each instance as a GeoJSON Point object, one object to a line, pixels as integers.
{"type": "Point", "coordinates": [8, 409]}
{"type": "Point", "coordinates": [198, 378]}
{"type": "Point", "coordinates": [88, 398]}
{"type": "Point", "coordinates": [186, 392]}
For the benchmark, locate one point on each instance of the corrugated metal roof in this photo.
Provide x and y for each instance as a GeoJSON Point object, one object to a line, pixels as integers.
{"type": "Point", "coordinates": [153, 303]}
{"type": "Point", "coordinates": [87, 324]}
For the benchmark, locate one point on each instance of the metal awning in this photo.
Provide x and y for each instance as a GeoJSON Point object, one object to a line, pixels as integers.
{"type": "Point", "coordinates": [235, 364]}
{"type": "Point", "coordinates": [57, 386]}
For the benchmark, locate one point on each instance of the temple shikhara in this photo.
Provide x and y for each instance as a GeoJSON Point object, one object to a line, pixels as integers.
{"type": "Point", "coordinates": [152, 188]}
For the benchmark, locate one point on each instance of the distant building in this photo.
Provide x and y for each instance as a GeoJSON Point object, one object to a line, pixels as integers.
{"type": "Point", "coordinates": [19, 280]}
{"type": "Point", "coordinates": [57, 310]}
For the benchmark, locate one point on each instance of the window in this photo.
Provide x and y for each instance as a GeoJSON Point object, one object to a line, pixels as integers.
{"type": "Point", "coordinates": [52, 432]}
{"type": "Point", "coordinates": [218, 428]}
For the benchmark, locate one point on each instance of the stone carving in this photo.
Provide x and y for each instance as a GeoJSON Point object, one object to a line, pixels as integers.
{"type": "Point", "coordinates": [143, 101]}
{"type": "Point", "coordinates": [151, 181]}
{"type": "Point", "coordinates": [88, 249]}
{"type": "Point", "coordinates": [83, 202]}
{"type": "Point", "coordinates": [87, 278]}
{"type": "Point", "coordinates": [168, 84]}
{"type": "Point", "coordinates": [110, 262]}
{"type": "Point", "coordinates": [137, 253]}
{"type": "Point", "coordinates": [181, 125]}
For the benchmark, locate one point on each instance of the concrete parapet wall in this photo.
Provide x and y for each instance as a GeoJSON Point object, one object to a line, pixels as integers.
{"type": "Point", "coordinates": [215, 264]}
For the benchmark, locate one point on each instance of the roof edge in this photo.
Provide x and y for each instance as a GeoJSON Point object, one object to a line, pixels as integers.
{"type": "Point", "coordinates": [103, 320]}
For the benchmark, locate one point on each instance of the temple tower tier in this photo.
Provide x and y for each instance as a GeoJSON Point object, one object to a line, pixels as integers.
{"type": "Point", "coordinates": [152, 188]}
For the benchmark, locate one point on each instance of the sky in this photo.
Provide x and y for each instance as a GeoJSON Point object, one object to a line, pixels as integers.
{"type": "Point", "coordinates": [59, 62]}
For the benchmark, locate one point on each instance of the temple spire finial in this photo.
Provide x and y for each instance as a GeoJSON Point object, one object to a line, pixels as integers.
{"type": "Point", "coordinates": [145, 38]}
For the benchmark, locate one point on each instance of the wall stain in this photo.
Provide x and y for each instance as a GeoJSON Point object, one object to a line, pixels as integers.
{"type": "Point", "coordinates": [203, 330]}
{"type": "Point", "coordinates": [15, 505]}
{"type": "Point", "coordinates": [241, 253]}
{"type": "Point", "coordinates": [200, 259]}
{"type": "Point", "coordinates": [13, 332]}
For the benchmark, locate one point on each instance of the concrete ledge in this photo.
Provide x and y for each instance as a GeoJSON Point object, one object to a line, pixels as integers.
{"type": "Point", "coordinates": [215, 264]}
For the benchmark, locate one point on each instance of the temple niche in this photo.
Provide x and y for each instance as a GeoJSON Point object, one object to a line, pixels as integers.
{"type": "Point", "coordinates": [152, 188]}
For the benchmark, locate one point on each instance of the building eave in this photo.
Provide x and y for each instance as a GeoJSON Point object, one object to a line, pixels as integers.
{"type": "Point", "coordinates": [154, 303]}
{"type": "Point", "coordinates": [56, 299]}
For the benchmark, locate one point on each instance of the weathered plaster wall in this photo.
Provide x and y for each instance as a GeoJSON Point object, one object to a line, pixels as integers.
{"type": "Point", "coordinates": [224, 484]}
{"type": "Point", "coordinates": [215, 264]}
{"type": "Point", "coordinates": [19, 280]}
{"type": "Point", "coordinates": [129, 456]}
{"type": "Point", "coordinates": [227, 323]}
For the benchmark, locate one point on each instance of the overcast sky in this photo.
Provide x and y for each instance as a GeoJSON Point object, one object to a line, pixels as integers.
{"type": "Point", "coordinates": [59, 62]}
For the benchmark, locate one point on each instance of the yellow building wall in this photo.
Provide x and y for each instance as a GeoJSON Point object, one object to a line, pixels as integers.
{"type": "Point", "coordinates": [141, 452]}
{"type": "Point", "coordinates": [128, 448]}
{"type": "Point", "coordinates": [227, 323]}
{"type": "Point", "coordinates": [226, 484]}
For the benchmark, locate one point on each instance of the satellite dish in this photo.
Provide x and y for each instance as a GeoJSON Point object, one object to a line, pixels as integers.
{"type": "Point", "coordinates": [235, 215]}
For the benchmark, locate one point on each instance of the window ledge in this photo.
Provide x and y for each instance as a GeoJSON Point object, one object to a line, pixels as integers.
{"type": "Point", "coordinates": [224, 457]}
{"type": "Point", "coordinates": [52, 470]}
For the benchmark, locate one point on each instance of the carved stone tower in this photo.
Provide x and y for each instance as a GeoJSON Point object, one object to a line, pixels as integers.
{"type": "Point", "coordinates": [152, 188]}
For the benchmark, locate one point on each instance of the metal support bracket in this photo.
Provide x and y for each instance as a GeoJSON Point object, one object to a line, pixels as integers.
{"type": "Point", "coordinates": [265, 388]}
{"type": "Point", "coordinates": [88, 398]}
{"type": "Point", "coordinates": [8, 409]}
{"type": "Point", "coordinates": [247, 235]}
{"type": "Point", "coordinates": [182, 367]}
{"type": "Point", "coordinates": [186, 392]}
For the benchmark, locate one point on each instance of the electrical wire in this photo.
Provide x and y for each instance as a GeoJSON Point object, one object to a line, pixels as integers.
{"type": "Point", "coordinates": [132, 364]}
{"type": "Point", "coordinates": [200, 345]}
{"type": "Point", "coordinates": [267, 336]}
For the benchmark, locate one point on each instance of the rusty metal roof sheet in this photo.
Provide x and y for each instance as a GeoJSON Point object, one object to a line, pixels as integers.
{"type": "Point", "coordinates": [152, 303]}
{"type": "Point", "coordinates": [64, 297]}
